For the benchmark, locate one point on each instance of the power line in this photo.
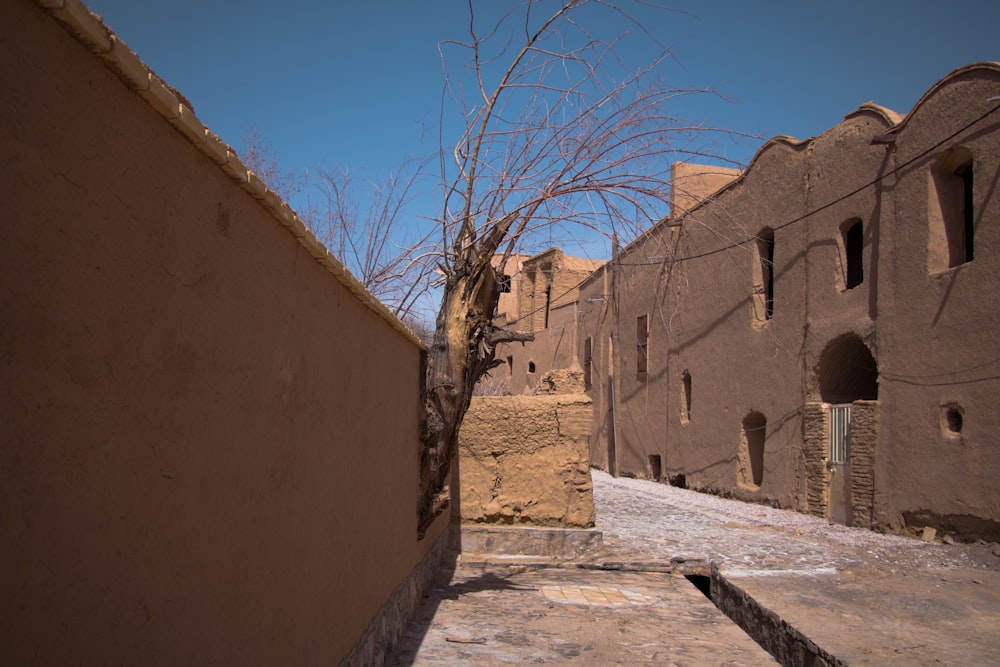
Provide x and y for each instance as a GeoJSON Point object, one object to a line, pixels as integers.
{"type": "Point", "coordinates": [834, 202]}
{"type": "Point", "coordinates": [788, 223]}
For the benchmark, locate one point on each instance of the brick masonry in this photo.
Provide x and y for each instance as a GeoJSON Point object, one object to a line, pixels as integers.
{"type": "Point", "coordinates": [864, 438]}
{"type": "Point", "coordinates": [392, 619]}
{"type": "Point", "coordinates": [814, 420]}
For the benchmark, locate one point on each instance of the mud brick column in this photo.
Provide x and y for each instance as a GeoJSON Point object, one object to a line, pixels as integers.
{"type": "Point", "coordinates": [864, 437]}
{"type": "Point", "coordinates": [814, 424]}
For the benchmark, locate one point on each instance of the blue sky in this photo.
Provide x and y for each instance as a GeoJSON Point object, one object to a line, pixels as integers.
{"type": "Point", "coordinates": [352, 83]}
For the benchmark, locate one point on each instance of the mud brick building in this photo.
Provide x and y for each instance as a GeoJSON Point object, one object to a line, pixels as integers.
{"type": "Point", "coordinates": [819, 332]}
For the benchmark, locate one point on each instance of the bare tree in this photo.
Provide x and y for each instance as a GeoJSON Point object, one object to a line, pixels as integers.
{"type": "Point", "coordinates": [561, 132]}
{"type": "Point", "coordinates": [366, 228]}
{"type": "Point", "coordinates": [262, 161]}
{"type": "Point", "coordinates": [363, 223]}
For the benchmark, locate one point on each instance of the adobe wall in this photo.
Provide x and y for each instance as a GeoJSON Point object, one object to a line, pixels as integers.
{"type": "Point", "coordinates": [595, 325]}
{"type": "Point", "coordinates": [552, 348]}
{"type": "Point", "coordinates": [547, 289]}
{"type": "Point", "coordinates": [209, 440]}
{"type": "Point", "coordinates": [524, 460]}
{"type": "Point", "coordinates": [938, 327]}
{"type": "Point", "coordinates": [640, 407]}
{"type": "Point", "coordinates": [717, 360]}
{"type": "Point", "coordinates": [691, 184]}
{"type": "Point", "coordinates": [703, 322]}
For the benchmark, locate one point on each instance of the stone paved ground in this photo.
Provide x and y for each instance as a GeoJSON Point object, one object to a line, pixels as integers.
{"type": "Point", "coordinates": [551, 616]}
{"type": "Point", "coordinates": [860, 597]}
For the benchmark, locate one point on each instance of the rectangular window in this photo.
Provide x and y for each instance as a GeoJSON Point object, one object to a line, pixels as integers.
{"type": "Point", "coordinates": [950, 211]}
{"type": "Point", "coordinates": [965, 174]}
{"type": "Point", "coordinates": [503, 282]}
{"type": "Point", "coordinates": [548, 304]}
{"type": "Point", "coordinates": [767, 268]}
{"type": "Point", "coordinates": [641, 344]}
{"type": "Point", "coordinates": [854, 239]}
{"type": "Point", "coordinates": [685, 397]}
{"type": "Point", "coordinates": [762, 272]}
{"type": "Point", "coordinates": [587, 362]}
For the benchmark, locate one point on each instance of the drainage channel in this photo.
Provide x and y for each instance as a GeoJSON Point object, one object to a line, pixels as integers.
{"type": "Point", "coordinates": [784, 642]}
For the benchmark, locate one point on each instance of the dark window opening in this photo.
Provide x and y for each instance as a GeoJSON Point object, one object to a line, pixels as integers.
{"type": "Point", "coordinates": [767, 266]}
{"type": "Point", "coordinates": [655, 467]}
{"type": "Point", "coordinates": [853, 256]}
{"type": "Point", "coordinates": [763, 276]}
{"type": "Point", "coordinates": [587, 362]}
{"type": "Point", "coordinates": [954, 418]}
{"type": "Point", "coordinates": [685, 397]}
{"type": "Point", "coordinates": [951, 211]}
{"type": "Point", "coordinates": [510, 365]}
{"type": "Point", "coordinates": [531, 366]}
{"type": "Point", "coordinates": [679, 480]}
{"type": "Point", "coordinates": [503, 283]}
{"type": "Point", "coordinates": [754, 434]}
{"type": "Point", "coordinates": [965, 174]}
{"type": "Point", "coordinates": [641, 344]}
{"type": "Point", "coordinates": [548, 303]}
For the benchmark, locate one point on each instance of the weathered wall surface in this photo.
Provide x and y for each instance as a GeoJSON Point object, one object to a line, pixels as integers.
{"type": "Point", "coordinates": [853, 238]}
{"type": "Point", "coordinates": [209, 443]}
{"type": "Point", "coordinates": [524, 460]}
{"type": "Point", "coordinates": [691, 184]}
{"type": "Point", "coordinates": [815, 451]}
{"type": "Point", "coordinates": [546, 290]}
{"type": "Point", "coordinates": [939, 326]}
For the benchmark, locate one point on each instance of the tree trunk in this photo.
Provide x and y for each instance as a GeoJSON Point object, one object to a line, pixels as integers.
{"type": "Point", "coordinates": [462, 351]}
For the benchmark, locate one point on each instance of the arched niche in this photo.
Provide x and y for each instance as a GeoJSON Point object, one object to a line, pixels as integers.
{"type": "Point", "coordinates": [847, 371]}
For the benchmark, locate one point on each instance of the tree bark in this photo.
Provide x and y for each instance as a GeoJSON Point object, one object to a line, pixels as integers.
{"type": "Point", "coordinates": [460, 354]}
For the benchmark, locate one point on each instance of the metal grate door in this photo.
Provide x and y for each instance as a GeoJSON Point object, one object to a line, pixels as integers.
{"type": "Point", "coordinates": [840, 433]}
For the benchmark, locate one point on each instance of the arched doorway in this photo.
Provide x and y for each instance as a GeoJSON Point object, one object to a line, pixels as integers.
{"type": "Point", "coordinates": [847, 378]}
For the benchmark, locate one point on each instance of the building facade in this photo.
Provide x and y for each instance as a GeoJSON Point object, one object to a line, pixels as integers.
{"type": "Point", "coordinates": [539, 295]}
{"type": "Point", "coordinates": [821, 332]}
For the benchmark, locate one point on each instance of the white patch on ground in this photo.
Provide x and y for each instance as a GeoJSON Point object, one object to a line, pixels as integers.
{"type": "Point", "coordinates": [600, 596]}
{"type": "Point", "coordinates": [808, 572]}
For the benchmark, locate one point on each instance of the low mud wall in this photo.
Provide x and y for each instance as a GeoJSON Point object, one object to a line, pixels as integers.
{"type": "Point", "coordinates": [525, 460]}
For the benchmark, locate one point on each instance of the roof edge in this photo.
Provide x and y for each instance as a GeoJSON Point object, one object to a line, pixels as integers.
{"type": "Point", "coordinates": [988, 65]}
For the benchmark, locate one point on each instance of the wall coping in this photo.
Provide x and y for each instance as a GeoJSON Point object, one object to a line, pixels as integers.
{"type": "Point", "coordinates": [90, 31]}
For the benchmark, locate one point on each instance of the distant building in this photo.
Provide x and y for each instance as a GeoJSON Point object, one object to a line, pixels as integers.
{"type": "Point", "coordinates": [539, 295]}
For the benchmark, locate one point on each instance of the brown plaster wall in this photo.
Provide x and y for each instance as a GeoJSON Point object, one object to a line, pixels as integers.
{"type": "Point", "coordinates": [702, 320]}
{"type": "Point", "coordinates": [524, 460]}
{"type": "Point", "coordinates": [209, 443]}
{"type": "Point", "coordinates": [931, 332]}
{"type": "Point", "coordinates": [595, 323]}
{"type": "Point", "coordinates": [938, 329]}
{"type": "Point", "coordinates": [691, 184]}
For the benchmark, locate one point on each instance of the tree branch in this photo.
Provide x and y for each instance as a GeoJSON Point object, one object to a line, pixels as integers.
{"type": "Point", "coordinates": [498, 336]}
